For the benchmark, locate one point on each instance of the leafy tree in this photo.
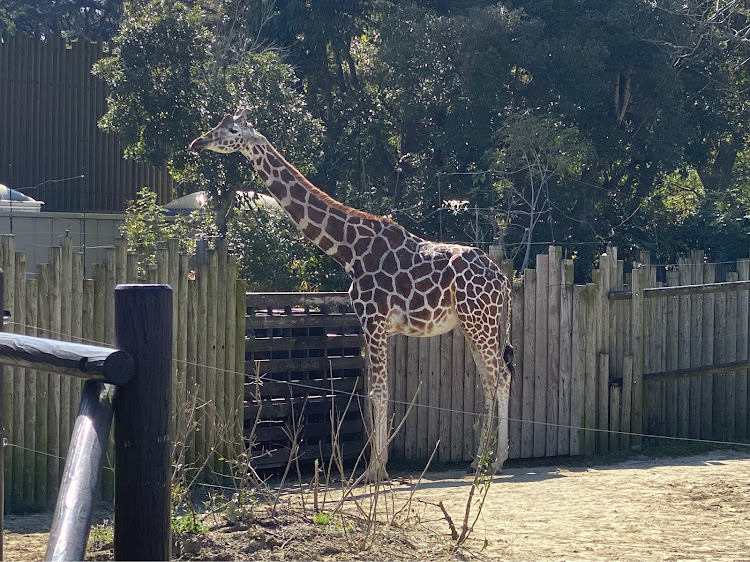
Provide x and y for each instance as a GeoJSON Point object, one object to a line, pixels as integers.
{"type": "Point", "coordinates": [168, 83]}
{"type": "Point", "coordinates": [73, 19]}
{"type": "Point", "coordinates": [146, 228]}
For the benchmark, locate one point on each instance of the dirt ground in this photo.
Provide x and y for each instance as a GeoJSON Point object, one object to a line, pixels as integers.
{"type": "Point", "coordinates": [693, 507]}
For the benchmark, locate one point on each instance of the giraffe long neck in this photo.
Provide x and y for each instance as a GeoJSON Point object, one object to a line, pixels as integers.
{"type": "Point", "coordinates": [329, 224]}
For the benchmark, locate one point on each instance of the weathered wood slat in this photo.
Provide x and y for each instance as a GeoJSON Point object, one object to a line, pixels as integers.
{"type": "Point", "coordinates": [283, 408]}
{"type": "Point", "coordinates": [541, 365]}
{"type": "Point", "coordinates": [280, 432]}
{"type": "Point", "coordinates": [303, 300]}
{"type": "Point", "coordinates": [326, 364]}
{"type": "Point", "coordinates": [312, 320]}
{"type": "Point", "coordinates": [333, 386]}
{"type": "Point", "coordinates": [304, 342]}
{"type": "Point", "coordinates": [684, 290]}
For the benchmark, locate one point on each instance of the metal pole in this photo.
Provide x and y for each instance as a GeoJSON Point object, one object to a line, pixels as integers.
{"type": "Point", "coordinates": [78, 490]}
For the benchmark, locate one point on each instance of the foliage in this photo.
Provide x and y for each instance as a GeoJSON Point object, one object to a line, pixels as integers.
{"type": "Point", "coordinates": [146, 228]}
{"type": "Point", "coordinates": [274, 256]}
{"type": "Point", "coordinates": [411, 109]}
{"type": "Point", "coordinates": [101, 536]}
{"type": "Point", "coordinates": [169, 80]}
{"type": "Point", "coordinates": [189, 523]}
{"type": "Point", "coordinates": [73, 19]}
{"type": "Point", "coordinates": [323, 519]}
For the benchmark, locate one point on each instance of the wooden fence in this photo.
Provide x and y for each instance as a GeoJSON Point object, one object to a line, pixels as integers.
{"type": "Point", "coordinates": [594, 362]}
{"type": "Point", "coordinates": [306, 349]}
{"type": "Point", "coordinates": [574, 347]}
{"type": "Point", "coordinates": [49, 140]}
{"type": "Point", "coordinates": [59, 303]}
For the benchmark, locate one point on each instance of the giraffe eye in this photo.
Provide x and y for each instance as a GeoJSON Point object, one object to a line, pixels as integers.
{"type": "Point", "coordinates": [233, 130]}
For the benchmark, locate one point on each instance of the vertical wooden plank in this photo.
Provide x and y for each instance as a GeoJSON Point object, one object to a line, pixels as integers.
{"type": "Point", "coordinates": [718, 387]}
{"type": "Point", "coordinates": [707, 354]}
{"type": "Point", "coordinates": [730, 379]}
{"type": "Point", "coordinates": [423, 399]}
{"type": "Point", "coordinates": [66, 327]}
{"type": "Point", "coordinates": [76, 325]}
{"type": "Point", "coordinates": [240, 313]}
{"type": "Point", "coordinates": [446, 366]}
{"type": "Point", "coordinates": [458, 343]}
{"type": "Point", "coordinates": [99, 322]}
{"type": "Point", "coordinates": [131, 269]}
{"type": "Point", "coordinates": [627, 402]}
{"type": "Point", "coordinates": [391, 406]}
{"type": "Point", "coordinates": [588, 300]}
{"type": "Point", "coordinates": [696, 336]}
{"type": "Point", "coordinates": [32, 459]}
{"type": "Point", "coordinates": [179, 293]}
{"type": "Point", "coordinates": [42, 445]}
{"type": "Point", "coordinates": [211, 374]}
{"type": "Point", "coordinates": [566, 311]}
{"type": "Point", "coordinates": [221, 321]}
{"type": "Point", "coordinates": [743, 342]}
{"type": "Point", "coordinates": [191, 378]}
{"type": "Point", "coordinates": [412, 382]}
{"type": "Point", "coordinates": [541, 366]}
{"type": "Point", "coordinates": [8, 263]}
{"type": "Point", "coordinates": [602, 337]}
{"type": "Point", "coordinates": [554, 291]}
{"type": "Point", "coordinates": [110, 276]}
{"type": "Point", "coordinates": [433, 387]}
{"type": "Point", "coordinates": [636, 330]}
{"type": "Point", "coordinates": [577, 370]}
{"type": "Point", "coordinates": [55, 463]}
{"type": "Point", "coordinates": [683, 385]}
{"type": "Point", "coordinates": [201, 442]}
{"type": "Point", "coordinates": [21, 487]}
{"type": "Point", "coordinates": [652, 402]}
{"type": "Point", "coordinates": [469, 407]}
{"type": "Point", "coordinates": [399, 393]}
{"type": "Point", "coordinates": [516, 385]}
{"type": "Point", "coordinates": [529, 363]}
{"type": "Point", "coordinates": [232, 400]}
{"type": "Point", "coordinates": [672, 354]}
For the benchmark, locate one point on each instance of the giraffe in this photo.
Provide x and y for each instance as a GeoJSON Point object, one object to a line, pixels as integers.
{"type": "Point", "coordinates": [400, 282]}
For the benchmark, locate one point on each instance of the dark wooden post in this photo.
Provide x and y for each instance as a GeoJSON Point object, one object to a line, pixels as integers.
{"type": "Point", "coordinates": [143, 445]}
{"type": "Point", "coordinates": [78, 490]}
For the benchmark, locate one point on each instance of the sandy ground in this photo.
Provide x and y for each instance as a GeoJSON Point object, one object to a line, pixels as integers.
{"type": "Point", "coordinates": [695, 507]}
{"type": "Point", "coordinates": [667, 509]}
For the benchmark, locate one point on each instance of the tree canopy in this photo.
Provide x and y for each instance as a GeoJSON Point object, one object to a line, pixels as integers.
{"type": "Point", "coordinates": [516, 122]}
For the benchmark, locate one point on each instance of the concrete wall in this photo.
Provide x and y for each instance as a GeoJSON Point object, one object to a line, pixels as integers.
{"type": "Point", "coordinates": [35, 233]}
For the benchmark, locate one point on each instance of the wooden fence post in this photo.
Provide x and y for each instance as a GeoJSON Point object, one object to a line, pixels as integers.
{"type": "Point", "coordinates": [143, 446]}
{"type": "Point", "coordinates": [636, 324]}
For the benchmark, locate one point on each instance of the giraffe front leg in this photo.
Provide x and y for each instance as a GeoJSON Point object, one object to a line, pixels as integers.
{"type": "Point", "coordinates": [377, 353]}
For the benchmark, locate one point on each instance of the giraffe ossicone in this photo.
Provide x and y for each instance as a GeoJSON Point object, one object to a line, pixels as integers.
{"type": "Point", "coordinates": [400, 283]}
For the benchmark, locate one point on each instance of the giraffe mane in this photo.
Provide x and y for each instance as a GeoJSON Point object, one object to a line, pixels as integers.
{"type": "Point", "coordinates": [324, 197]}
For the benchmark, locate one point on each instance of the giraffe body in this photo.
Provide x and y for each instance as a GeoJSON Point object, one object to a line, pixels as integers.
{"type": "Point", "coordinates": [400, 282]}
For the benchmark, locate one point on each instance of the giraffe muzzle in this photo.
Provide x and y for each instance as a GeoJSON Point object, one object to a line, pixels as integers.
{"type": "Point", "coordinates": [198, 145]}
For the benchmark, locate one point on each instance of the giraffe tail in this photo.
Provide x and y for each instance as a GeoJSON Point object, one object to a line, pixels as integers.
{"type": "Point", "coordinates": [508, 358]}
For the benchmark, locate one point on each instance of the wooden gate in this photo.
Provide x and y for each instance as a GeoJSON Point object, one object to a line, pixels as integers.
{"type": "Point", "coordinates": [304, 363]}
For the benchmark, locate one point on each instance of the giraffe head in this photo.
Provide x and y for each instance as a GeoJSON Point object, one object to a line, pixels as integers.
{"type": "Point", "coordinates": [233, 134]}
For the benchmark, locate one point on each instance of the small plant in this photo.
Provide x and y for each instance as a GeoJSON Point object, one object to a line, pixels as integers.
{"type": "Point", "coordinates": [189, 523]}
{"type": "Point", "coordinates": [101, 537]}
{"type": "Point", "coordinates": [322, 518]}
